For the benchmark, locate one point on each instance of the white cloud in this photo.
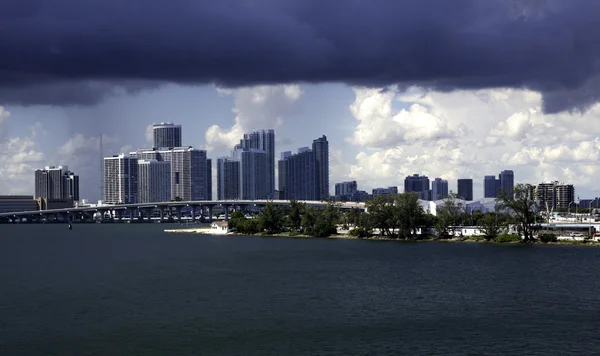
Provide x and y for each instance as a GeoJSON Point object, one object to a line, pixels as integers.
{"type": "Point", "coordinates": [260, 107]}
{"type": "Point", "coordinates": [149, 134]}
{"type": "Point", "coordinates": [4, 115]}
{"type": "Point", "coordinates": [469, 134]}
{"type": "Point", "coordinates": [381, 126]}
{"type": "Point", "coordinates": [18, 160]}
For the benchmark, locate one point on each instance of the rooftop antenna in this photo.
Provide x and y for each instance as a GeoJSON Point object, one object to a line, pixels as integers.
{"type": "Point", "coordinates": [101, 167]}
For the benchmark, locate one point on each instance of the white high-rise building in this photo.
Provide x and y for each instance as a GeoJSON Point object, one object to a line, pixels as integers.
{"type": "Point", "coordinates": [189, 171]}
{"type": "Point", "coordinates": [56, 182]}
{"type": "Point", "coordinates": [120, 179]}
{"type": "Point", "coordinates": [166, 135]}
{"type": "Point", "coordinates": [154, 181]}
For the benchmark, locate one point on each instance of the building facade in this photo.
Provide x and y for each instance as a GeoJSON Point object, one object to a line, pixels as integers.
{"type": "Point", "coordinates": [418, 184]}
{"type": "Point", "coordinates": [465, 189]}
{"type": "Point", "coordinates": [300, 175]}
{"type": "Point", "coordinates": [320, 147]}
{"type": "Point", "coordinates": [253, 172]}
{"type": "Point", "coordinates": [228, 178]}
{"type": "Point", "coordinates": [56, 182]}
{"type": "Point", "coordinates": [507, 181]}
{"type": "Point", "coordinates": [166, 135]}
{"type": "Point", "coordinates": [17, 203]}
{"type": "Point", "coordinates": [120, 179]}
{"type": "Point", "coordinates": [345, 188]}
{"type": "Point", "coordinates": [490, 185]}
{"type": "Point", "coordinates": [439, 189]}
{"type": "Point", "coordinates": [263, 140]}
{"type": "Point", "coordinates": [154, 181]}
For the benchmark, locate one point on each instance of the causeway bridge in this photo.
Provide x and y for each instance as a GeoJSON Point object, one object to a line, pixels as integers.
{"type": "Point", "coordinates": [173, 210]}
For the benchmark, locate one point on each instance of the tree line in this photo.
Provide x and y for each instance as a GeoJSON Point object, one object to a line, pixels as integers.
{"type": "Point", "coordinates": [398, 216]}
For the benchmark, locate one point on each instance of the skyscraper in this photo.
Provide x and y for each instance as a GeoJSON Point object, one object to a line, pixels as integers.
{"type": "Point", "coordinates": [439, 189]}
{"type": "Point", "coordinates": [507, 181]}
{"type": "Point", "coordinates": [208, 179]}
{"type": "Point", "coordinates": [345, 188]}
{"type": "Point", "coordinates": [263, 140]}
{"type": "Point", "coordinates": [489, 186]}
{"type": "Point", "coordinates": [418, 184]}
{"type": "Point", "coordinates": [120, 179]}
{"type": "Point", "coordinates": [154, 181]}
{"type": "Point", "coordinates": [301, 175]}
{"type": "Point", "coordinates": [320, 148]}
{"type": "Point", "coordinates": [253, 170]}
{"type": "Point", "coordinates": [188, 170]}
{"type": "Point", "coordinates": [56, 182]}
{"type": "Point", "coordinates": [228, 178]}
{"type": "Point", "coordinates": [282, 176]}
{"type": "Point", "coordinates": [465, 189]}
{"type": "Point", "coordinates": [166, 135]}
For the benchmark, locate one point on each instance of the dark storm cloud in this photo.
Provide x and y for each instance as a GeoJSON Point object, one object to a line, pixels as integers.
{"type": "Point", "coordinates": [87, 48]}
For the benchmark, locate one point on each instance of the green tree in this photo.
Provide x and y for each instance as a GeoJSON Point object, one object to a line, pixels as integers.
{"type": "Point", "coordinates": [381, 210]}
{"type": "Point", "coordinates": [408, 214]}
{"type": "Point", "coordinates": [521, 207]}
{"type": "Point", "coordinates": [295, 215]}
{"type": "Point", "coordinates": [492, 224]}
{"type": "Point", "coordinates": [448, 216]}
{"type": "Point", "coordinates": [271, 219]}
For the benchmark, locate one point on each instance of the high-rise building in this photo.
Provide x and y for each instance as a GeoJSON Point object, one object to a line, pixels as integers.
{"type": "Point", "coordinates": [253, 170]}
{"type": "Point", "coordinates": [490, 185]}
{"type": "Point", "coordinates": [208, 179]}
{"type": "Point", "coordinates": [166, 135]}
{"type": "Point", "coordinates": [554, 195]}
{"type": "Point", "coordinates": [300, 176]}
{"type": "Point", "coordinates": [188, 170]}
{"type": "Point", "coordinates": [263, 140]}
{"type": "Point", "coordinates": [154, 181]}
{"type": "Point", "coordinates": [320, 148]}
{"type": "Point", "coordinates": [385, 191]}
{"type": "Point", "coordinates": [465, 189]}
{"type": "Point", "coordinates": [345, 188]}
{"type": "Point", "coordinates": [282, 176]}
{"type": "Point", "coordinates": [439, 189]}
{"type": "Point", "coordinates": [228, 178]}
{"type": "Point", "coordinates": [507, 182]}
{"type": "Point", "coordinates": [56, 182]}
{"type": "Point", "coordinates": [120, 179]}
{"type": "Point", "coordinates": [418, 184]}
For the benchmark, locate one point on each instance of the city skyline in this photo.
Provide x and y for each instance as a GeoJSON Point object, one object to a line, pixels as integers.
{"type": "Point", "coordinates": [388, 107]}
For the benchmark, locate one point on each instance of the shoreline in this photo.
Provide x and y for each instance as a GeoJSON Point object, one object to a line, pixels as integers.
{"type": "Point", "coordinates": [207, 231]}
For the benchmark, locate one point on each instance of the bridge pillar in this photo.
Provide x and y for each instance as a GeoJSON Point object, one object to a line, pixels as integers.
{"type": "Point", "coordinates": [194, 207]}
{"type": "Point", "coordinates": [210, 213]}
{"type": "Point", "coordinates": [226, 207]}
{"type": "Point", "coordinates": [119, 215]}
{"type": "Point", "coordinates": [162, 213]}
{"type": "Point", "coordinates": [131, 213]}
{"type": "Point", "coordinates": [149, 212]}
{"type": "Point", "coordinates": [178, 210]}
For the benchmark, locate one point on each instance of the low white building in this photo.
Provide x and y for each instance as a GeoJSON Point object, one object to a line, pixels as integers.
{"type": "Point", "coordinates": [219, 227]}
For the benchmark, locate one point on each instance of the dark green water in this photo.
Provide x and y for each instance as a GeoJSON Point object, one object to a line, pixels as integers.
{"type": "Point", "coordinates": [134, 290]}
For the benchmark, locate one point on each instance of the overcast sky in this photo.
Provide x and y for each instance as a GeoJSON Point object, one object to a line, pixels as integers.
{"type": "Point", "coordinates": [451, 89]}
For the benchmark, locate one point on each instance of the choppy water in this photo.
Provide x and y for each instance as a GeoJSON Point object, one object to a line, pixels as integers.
{"type": "Point", "coordinates": [134, 290]}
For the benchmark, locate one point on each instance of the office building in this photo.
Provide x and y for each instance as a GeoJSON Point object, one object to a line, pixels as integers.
{"type": "Point", "coordinates": [305, 175]}
{"type": "Point", "coordinates": [555, 195]}
{"type": "Point", "coordinates": [253, 171]}
{"type": "Point", "coordinates": [189, 166]}
{"type": "Point", "coordinates": [56, 182]}
{"type": "Point", "coordinates": [389, 191]}
{"type": "Point", "coordinates": [120, 179]}
{"type": "Point", "coordinates": [507, 182]}
{"type": "Point", "coordinates": [263, 140]}
{"type": "Point", "coordinates": [228, 178]}
{"type": "Point", "coordinates": [209, 186]}
{"type": "Point", "coordinates": [439, 189]}
{"type": "Point", "coordinates": [166, 135]}
{"type": "Point", "coordinates": [282, 176]}
{"type": "Point", "coordinates": [17, 203]}
{"type": "Point", "coordinates": [299, 175]}
{"type": "Point", "coordinates": [154, 181]}
{"type": "Point", "coordinates": [465, 189]}
{"type": "Point", "coordinates": [418, 184]}
{"type": "Point", "coordinates": [490, 186]}
{"type": "Point", "coordinates": [320, 148]}
{"type": "Point", "coordinates": [345, 188]}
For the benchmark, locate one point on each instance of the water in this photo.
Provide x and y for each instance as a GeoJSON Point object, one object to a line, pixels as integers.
{"type": "Point", "coordinates": [132, 289]}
